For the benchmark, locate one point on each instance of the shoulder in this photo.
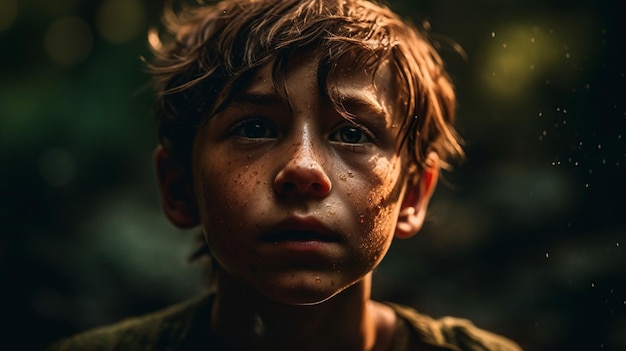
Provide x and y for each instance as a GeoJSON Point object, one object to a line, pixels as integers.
{"type": "Point", "coordinates": [447, 333]}
{"type": "Point", "coordinates": [166, 329]}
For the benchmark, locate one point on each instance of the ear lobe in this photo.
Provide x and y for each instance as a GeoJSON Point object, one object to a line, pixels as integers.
{"type": "Point", "coordinates": [177, 197]}
{"type": "Point", "coordinates": [415, 202]}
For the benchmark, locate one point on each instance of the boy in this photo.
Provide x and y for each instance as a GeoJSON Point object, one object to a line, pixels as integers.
{"type": "Point", "coordinates": [301, 136]}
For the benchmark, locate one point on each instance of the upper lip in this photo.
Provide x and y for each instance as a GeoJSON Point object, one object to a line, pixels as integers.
{"type": "Point", "coordinates": [301, 229]}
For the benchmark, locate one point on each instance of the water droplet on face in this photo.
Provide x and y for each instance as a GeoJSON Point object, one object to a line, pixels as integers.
{"type": "Point", "coordinates": [361, 219]}
{"type": "Point", "coordinates": [318, 280]}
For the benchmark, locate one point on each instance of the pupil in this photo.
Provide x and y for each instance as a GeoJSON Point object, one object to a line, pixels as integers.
{"type": "Point", "coordinates": [350, 135]}
{"type": "Point", "coordinates": [254, 130]}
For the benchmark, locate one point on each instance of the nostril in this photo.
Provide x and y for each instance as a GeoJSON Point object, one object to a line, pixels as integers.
{"type": "Point", "coordinates": [316, 187]}
{"type": "Point", "coordinates": [288, 186]}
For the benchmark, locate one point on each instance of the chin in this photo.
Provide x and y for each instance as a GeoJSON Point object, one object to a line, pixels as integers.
{"type": "Point", "coordinates": [303, 295]}
{"type": "Point", "coordinates": [308, 300]}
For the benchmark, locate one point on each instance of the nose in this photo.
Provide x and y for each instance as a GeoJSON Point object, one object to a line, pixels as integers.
{"type": "Point", "coordinates": [304, 172]}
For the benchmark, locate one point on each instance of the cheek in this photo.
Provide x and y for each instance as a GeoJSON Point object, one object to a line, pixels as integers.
{"type": "Point", "coordinates": [228, 192]}
{"type": "Point", "coordinates": [386, 182]}
{"type": "Point", "coordinates": [383, 199]}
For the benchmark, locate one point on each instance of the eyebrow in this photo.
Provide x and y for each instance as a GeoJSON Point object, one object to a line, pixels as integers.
{"type": "Point", "coordinates": [361, 105]}
{"type": "Point", "coordinates": [354, 105]}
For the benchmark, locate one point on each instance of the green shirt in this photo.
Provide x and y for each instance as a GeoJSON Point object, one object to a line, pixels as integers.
{"type": "Point", "coordinates": [184, 327]}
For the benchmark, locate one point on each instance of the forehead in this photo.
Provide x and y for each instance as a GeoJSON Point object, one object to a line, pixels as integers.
{"type": "Point", "coordinates": [342, 83]}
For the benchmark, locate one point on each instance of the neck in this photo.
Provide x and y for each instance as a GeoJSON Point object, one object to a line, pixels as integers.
{"type": "Point", "coordinates": [348, 321]}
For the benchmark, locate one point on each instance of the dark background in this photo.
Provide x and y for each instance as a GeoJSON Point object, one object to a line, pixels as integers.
{"type": "Point", "coordinates": [526, 238]}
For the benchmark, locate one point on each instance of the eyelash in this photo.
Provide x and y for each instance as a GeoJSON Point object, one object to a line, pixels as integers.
{"type": "Point", "coordinates": [365, 134]}
{"type": "Point", "coordinates": [239, 129]}
{"type": "Point", "coordinates": [269, 131]}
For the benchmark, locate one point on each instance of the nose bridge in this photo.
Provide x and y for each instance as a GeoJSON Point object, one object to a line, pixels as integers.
{"type": "Point", "coordinates": [304, 168]}
{"type": "Point", "coordinates": [303, 147]}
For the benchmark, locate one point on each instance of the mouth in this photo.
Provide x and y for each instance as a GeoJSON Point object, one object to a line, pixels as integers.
{"type": "Point", "coordinates": [299, 236]}
{"type": "Point", "coordinates": [301, 229]}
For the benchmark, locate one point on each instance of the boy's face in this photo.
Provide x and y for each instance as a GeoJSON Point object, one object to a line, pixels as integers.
{"type": "Point", "coordinates": [295, 201]}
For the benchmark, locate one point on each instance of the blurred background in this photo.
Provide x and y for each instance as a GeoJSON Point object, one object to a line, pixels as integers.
{"type": "Point", "coordinates": [526, 238]}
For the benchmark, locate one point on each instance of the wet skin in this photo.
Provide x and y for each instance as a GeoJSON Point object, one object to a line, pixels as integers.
{"type": "Point", "coordinates": [296, 202]}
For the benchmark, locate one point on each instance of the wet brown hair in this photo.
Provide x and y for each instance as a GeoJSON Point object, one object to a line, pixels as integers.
{"type": "Point", "coordinates": [207, 51]}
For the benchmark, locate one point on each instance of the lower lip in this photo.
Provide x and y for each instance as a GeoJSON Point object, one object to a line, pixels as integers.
{"type": "Point", "coordinates": [301, 245]}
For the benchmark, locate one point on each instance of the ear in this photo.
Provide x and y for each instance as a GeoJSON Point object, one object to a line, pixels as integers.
{"type": "Point", "coordinates": [178, 201]}
{"type": "Point", "coordinates": [416, 198]}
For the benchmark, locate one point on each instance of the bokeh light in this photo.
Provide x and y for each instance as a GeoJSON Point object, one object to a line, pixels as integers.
{"type": "Point", "coordinates": [68, 41]}
{"type": "Point", "coordinates": [8, 13]}
{"type": "Point", "coordinates": [57, 166]}
{"type": "Point", "coordinates": [120, 21]}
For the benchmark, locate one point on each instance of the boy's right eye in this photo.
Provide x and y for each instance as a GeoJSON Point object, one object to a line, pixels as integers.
{"type": "Point", "coordinates": [254, 128]}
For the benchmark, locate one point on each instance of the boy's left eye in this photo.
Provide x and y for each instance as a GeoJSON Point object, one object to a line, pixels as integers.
{"type": "Point", "coordinates": [350, 135]}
